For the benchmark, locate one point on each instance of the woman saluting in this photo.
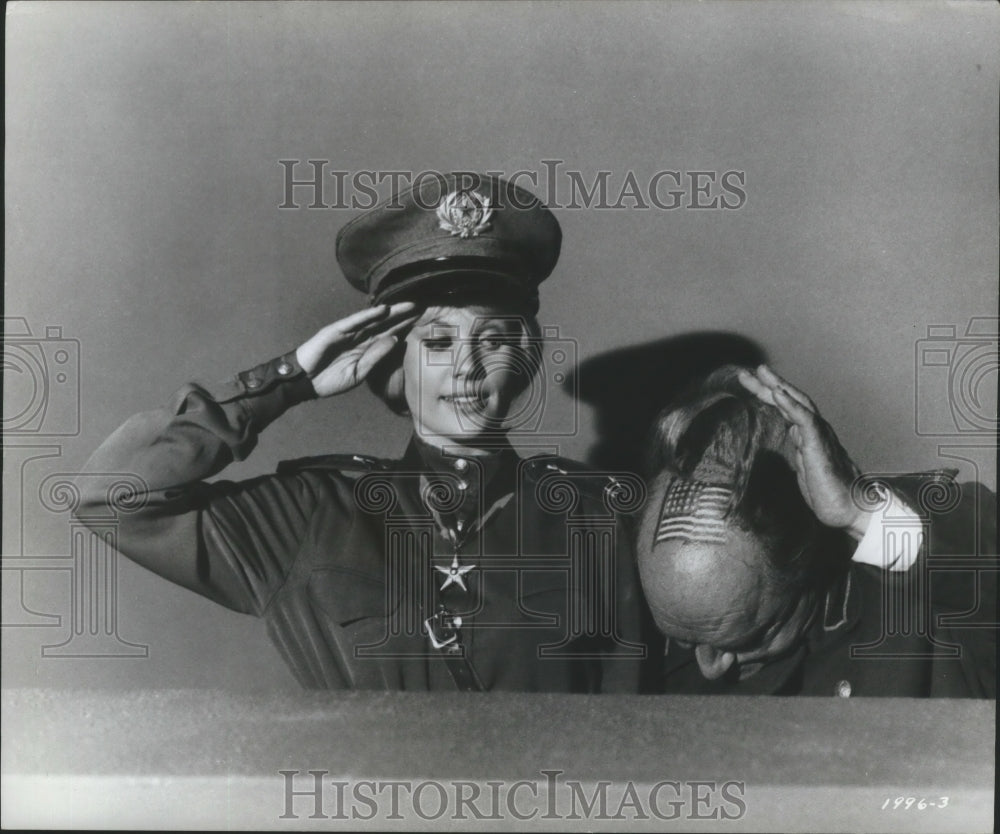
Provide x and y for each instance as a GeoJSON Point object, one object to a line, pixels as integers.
{"type": "Point", "coordinates": [460, 565]}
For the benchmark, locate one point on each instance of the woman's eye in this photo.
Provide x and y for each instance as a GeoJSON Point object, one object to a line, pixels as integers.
{"type": "Point", "coordinates": [492, 342]}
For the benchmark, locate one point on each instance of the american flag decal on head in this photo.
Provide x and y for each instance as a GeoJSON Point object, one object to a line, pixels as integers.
{"type": "Point", "coordinates": [694, 512]}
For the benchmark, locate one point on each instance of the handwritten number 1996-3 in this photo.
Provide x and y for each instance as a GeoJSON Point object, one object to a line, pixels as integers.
{"type": "Point", "coordinates": [907, 802]}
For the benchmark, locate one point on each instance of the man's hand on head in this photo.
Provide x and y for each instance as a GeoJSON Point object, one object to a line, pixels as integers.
{"type": "Point", "coordinates": [824, 469]}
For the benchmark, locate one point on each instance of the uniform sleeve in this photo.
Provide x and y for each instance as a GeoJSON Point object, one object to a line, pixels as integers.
{"type": "Point", "coordinates": [231, 542]}
{"type": "Point", "coordinates": [894, 535]}
{"type": "Point", "coordinates": [960, 528]}
{"type": "Point", "coordinates": [962, 553]}
{"type": "Point", "coordinates": [962, 566]}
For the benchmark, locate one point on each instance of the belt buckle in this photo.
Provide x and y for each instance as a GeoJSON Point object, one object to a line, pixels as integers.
{"type": "Point", "coordinates": [442, 629]}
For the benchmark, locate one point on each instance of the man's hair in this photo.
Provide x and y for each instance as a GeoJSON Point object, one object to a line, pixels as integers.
{"type": "Point", "coordinates": [719, 433]}
{"type": "Point", "coordinates": [386, 378]}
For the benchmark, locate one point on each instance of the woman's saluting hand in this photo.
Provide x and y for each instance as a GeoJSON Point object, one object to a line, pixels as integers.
{"type": "Point", "coordinates": [342, 354]}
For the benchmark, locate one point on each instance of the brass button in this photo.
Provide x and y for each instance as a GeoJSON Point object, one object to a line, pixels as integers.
{"type": "Point", "coordinates": [461, 464]}
{"type": "Point", "coordinates": [284, 369]}
{"type": "Point", "coordinates": [844, 689]}
{"type": "Point", "coordinates": [253, 382]}
{"type": "Point", "coordinates": [463, 485]}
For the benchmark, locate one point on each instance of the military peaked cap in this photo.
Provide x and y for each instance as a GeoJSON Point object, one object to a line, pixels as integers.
{"type": "Point", "coordinates": [448, 234]}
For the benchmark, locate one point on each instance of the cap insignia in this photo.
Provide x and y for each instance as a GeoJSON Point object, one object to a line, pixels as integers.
{"type": "Point", "coordinates": [465, 213]}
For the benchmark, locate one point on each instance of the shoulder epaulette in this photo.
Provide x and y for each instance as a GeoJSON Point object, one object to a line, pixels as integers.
{"type": "Point", "coordinates": [541, 465]}
{"type": "Point", "coordinates": [590, 481]}
{"type": "Point", "coordinates": [593, 481]}
{"type": "Point", "coordinates": [341, 463]}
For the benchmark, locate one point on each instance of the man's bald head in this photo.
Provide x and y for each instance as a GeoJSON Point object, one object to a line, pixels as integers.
{"type": "Point", "coordinates": [726, 540]}
{"type": "Point", "coordinates": [706, 580]}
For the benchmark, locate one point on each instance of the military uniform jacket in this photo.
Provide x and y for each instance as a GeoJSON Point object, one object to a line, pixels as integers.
{"type": "Point", "coordinates": [927, 632]}
{"type": "Point", "coordinates": [433, 572]}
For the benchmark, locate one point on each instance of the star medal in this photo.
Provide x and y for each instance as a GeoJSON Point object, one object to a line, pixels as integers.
{"type": "Point", "coordinates": [454, 574]}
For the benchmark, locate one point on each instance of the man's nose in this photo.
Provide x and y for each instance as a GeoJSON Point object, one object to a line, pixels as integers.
{"type": "Point", "coordinates": [712, 662]}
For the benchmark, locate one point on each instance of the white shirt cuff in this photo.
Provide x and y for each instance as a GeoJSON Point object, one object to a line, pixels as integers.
{"type": "Point", "coordinates": [894, 536]}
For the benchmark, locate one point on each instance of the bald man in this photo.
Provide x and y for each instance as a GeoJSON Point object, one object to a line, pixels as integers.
{"type": "Point", "coordinates": [767, 575]}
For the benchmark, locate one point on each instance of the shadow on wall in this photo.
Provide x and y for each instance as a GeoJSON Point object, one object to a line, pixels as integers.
{"type": "Point", "coordinates": [628, 387]}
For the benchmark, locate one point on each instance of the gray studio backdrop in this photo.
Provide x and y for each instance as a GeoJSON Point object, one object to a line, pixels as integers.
{"type": "Point", "coordinates": [145, 245]}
